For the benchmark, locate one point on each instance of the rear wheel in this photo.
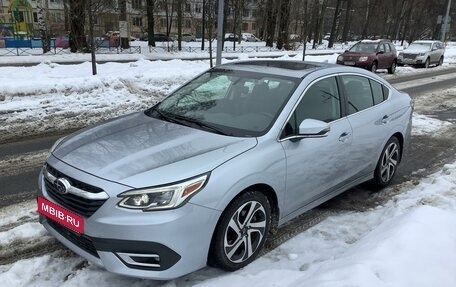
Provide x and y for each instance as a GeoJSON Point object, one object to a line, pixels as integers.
{"type": "Point", "coordinates": [241, 231]}
{"type": "Point", "coordinates": [440, 61]}
{"type": "Point", "coordinates": [392, 69]}
{"type": "Point", "coordinates": [373, 67]}
{"type": "Point", "coordinates": [388, 163]}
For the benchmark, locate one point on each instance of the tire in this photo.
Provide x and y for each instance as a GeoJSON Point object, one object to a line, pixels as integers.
{"type": "Point", "coordinates": [426, 63]}
{"type": "Point", "coordinates": [387, 163]}
{"type": "Point", "coordinates": [373, 67]}
{"type": "Point", "coordinates": [392, 69]}
{"type": "Point", "coordinates": [440, 61]}
{"type": "Point", "coordinates": [235, 229]}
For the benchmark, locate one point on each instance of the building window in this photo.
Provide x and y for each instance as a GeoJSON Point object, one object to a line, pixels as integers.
{"type": "Point", "coordinates": [163, 22]}
{"type": "Point", "coordinates": [137, 21]}
{"type": "Point", "coordinates": [35, 17]}
{"type": "Point", "coordinates": [136, 4]}
{"type": "Point", "coordinates": [245, 26]}
{"type": "Point", "coordinates": [246, 13]}
{"type": "Point", "coordinates": [188, 24]}
{"type": "Point", "coordinates": [254, 26]}
{"type": "Point", "coordinates": [198, 8]}
{"type": "Point", "coordinates": [56, 17]}
{"type": "Point", "coordinates": [254, 13]}
{"type": "Point", "coordinates": [187, 7]}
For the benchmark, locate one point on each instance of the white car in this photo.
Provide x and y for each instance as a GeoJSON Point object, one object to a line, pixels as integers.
{"type": "Point", "coordinates": [422, 53]}
{"type": "Point", "coordinates": [248, 37]}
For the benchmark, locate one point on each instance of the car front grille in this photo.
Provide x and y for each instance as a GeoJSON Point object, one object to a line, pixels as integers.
{"type": "Point", "coordinates": [409, 56]}
{"type": "Point", "coordinates": [82, 206]}
{"type": "Point", "coordinates": [80, 240]}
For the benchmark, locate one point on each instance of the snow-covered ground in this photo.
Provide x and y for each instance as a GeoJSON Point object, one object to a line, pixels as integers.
{"type": "Point", "coordinates": [408, 241]}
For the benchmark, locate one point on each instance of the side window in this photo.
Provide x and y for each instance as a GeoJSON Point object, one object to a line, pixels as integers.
{"type": "Point", "coordinates": [385, 92]}
{"type": "Point", "coordinates": [377, 91]}
{"type": "Point", "coordinates": [387, 48]}
{"type": "Point", "coordinates": [381, 48]}
{"type": "Point", "coordinates": [358, 92]}
{"type": "Point", "coordinates": [320, 102]}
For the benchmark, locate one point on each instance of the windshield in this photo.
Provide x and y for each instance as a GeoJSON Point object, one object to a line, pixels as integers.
{"type": "Point", "coordinates": [419, 46]}
{"type": "Point", "coordinates": [228, 102]}
{"type": "Point", "coordinates": [364, 47]}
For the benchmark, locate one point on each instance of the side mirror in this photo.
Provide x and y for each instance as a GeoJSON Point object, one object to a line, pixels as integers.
{"type": "Point", "coordinates": [310, 128]}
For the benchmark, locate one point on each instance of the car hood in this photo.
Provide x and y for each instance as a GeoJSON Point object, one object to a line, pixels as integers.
{"type": "Point", "coordinates": [138, 151]}
{"type": "Point", "coordinates": [416, 50]}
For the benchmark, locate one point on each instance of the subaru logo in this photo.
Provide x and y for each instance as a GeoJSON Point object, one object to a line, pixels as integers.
{"type": "Point", "coordinates": [62, 185]}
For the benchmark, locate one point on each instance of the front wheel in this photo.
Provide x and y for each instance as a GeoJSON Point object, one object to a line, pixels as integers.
{"type": "Point", "coordinates": [241, 231]}
{"type": "Point", "coordinates": [440, 61]}
{"type": "Point", "coordinates": [388, 163]}
{"type": "Point", "coordinates": [373, 67]}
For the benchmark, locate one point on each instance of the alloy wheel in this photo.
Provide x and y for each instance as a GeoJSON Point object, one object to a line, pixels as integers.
{"type": "Point", "coordinates": [245, 231]}
{"type": "Point", "coordinates": [389, 162]}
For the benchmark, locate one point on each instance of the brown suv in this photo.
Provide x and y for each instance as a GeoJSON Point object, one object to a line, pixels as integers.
{"type": "Point", "coordinates": [372, 55]}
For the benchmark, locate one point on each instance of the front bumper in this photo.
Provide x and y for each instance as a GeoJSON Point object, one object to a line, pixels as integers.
{"type": "Point", "coordinates": [418, 60]}
{"type": "Point", "coordinates": [352, 63]}
{"type": "Point", "coordinates": [157, 245]}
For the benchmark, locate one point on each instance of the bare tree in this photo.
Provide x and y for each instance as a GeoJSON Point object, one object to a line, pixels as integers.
{"type": "Point", "coordinates": [271, 18]}
{"type": "Point", "coordinates": [150, 21]}
{"type": "Point", "coordinates": [42, 7]}
{"type": "Point", "coordinates": [77, 40]}
{"type": "Point", "coordinates": [282, 39]}
{"type": "Point", "coordinates": [335, 24]}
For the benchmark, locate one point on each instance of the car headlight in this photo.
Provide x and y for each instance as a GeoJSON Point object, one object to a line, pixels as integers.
{"type": "Point", "coordinates": [421, 54]}
{"type": "Point", "coordinates": [362, 59]}
{"type": "Point", "coordinates": [162, 197]}
{"type": "Point", "coordinates": [340, 58]}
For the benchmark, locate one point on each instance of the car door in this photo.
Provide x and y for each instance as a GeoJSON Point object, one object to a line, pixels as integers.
{"type": "Point", "coordinates": [369, 118]}
{"type": "Point", "coordinates": [315, 165]}
{"type": "Point", "coordinates": [435, 53]}
{"type": "Point", "coordinates": [382, 57]}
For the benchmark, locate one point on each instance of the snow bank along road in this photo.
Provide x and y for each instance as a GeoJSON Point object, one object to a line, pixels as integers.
{"type": "Point", "coordinates": [434, 143]}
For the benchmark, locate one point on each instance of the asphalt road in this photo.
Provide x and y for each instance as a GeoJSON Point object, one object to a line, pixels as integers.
{"type": "Point", "coordinates": [20, 161]}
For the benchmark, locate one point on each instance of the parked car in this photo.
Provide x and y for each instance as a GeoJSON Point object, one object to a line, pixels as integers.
{"type": "Point", "coordinates": [204, 176]}
{"type": "Point", "coordinates": [161, 37]}
{"type": "Point", "coordinates": [231, 37]}
{"type": "Point", "coordinates": [422, 53]}
{"type": "Point", "coordinates": [188, 37]}
{"type": "Point", "coordinates": [62, 42]}
{"type": "Point", "coordinates": [248, 37]}
{"type": "Point", "coordinates": [371, 55]}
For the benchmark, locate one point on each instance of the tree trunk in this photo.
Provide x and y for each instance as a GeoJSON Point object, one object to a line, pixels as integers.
{"type": "Point", "coordinates": [150, 22]}
{"type": "Point", "coordinates": [203, 24]}
{"type": "Point", "coordinates": [347, 21]}
{"type": "Point", "coordinates": [271, 22]}
{"type": "Point", "coordinates": [124, 42]}
{"type": "Point", "coordinates": [179, 25]}
{"type": "Point", "coordinates": [77, 39]}
{"type": "Point", "coordinates": [335, 23]}
{"type": "Point", "coordinates": [41, 7]}
{"type": "Point", "coordinates": [282, 40]}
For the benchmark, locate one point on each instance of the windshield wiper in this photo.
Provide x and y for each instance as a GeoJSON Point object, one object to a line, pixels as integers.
{"type": "Point", "coordinates": [203, 125]}
{"type": "Point", "coordinates": [177, 119]}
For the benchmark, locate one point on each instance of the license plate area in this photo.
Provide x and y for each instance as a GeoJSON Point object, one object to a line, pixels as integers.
{"type": "Point", "coordinates": [349, 63]}
{"type": "Point", "coordinates": [60, 215]}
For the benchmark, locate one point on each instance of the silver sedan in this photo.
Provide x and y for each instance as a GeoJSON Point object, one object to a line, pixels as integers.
{"type": "Point", "coordinates": [206, 175]}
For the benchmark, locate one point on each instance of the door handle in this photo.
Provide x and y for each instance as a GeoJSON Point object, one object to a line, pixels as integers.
{"type": "Point", "coordinates": [385, 119]}
{"type": "Point", "coordinates": [344, 137]}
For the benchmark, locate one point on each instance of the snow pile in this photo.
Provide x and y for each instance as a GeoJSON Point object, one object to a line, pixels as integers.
{"type": "Point", "coordinates": [423, 125]}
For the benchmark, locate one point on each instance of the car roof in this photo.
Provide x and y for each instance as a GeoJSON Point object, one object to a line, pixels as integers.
{"type": "Point", "coordinates": [295, 69]}
{"type": "Point", "coordinates": [426, 41]}
{"type": "Point", "coordinates": [374, 41]}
